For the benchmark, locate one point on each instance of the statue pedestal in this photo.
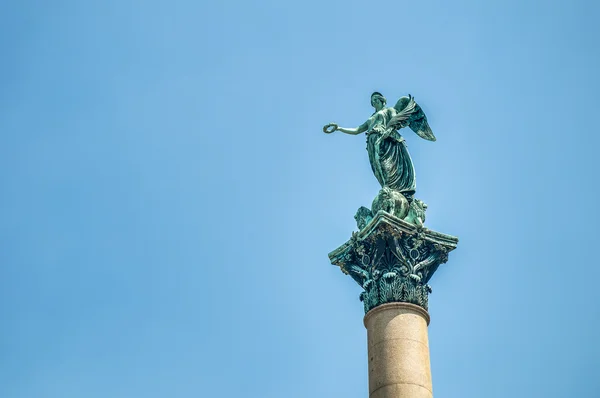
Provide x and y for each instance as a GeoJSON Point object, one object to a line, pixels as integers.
{"type": "Point", "coordinates": [398, 349]}
{"type": "Point", "coordinates": [393, 261]}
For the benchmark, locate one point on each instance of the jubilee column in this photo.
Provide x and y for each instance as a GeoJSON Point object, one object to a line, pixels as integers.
{"type": "Point", "coordinates": [393, 256]}
{"type": "Point", "coordinates": [393, 261]}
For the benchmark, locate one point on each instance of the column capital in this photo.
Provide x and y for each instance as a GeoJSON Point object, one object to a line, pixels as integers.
{"type": "Point", "coordinates": [393, 260]}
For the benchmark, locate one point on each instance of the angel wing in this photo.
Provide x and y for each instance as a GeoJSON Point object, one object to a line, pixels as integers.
{"type": "Point", "coordinates": [410, 114]}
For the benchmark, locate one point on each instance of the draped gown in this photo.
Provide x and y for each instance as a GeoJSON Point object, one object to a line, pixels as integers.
{"type": "Point", "coordinates": [389, 159]}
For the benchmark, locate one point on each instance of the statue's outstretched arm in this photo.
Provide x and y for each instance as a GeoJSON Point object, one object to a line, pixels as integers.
{"type": "Point", "coordinates": [330, 128]}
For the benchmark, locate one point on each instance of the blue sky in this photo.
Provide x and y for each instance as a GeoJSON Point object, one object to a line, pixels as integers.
{"type": "Point", "coordinates": [169, 200]}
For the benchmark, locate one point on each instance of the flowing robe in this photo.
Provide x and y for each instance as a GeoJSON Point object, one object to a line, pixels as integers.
{"type": "Point", "coordinates": [389, 159]}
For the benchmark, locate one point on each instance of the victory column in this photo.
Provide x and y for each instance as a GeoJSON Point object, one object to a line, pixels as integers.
{"type": "Point", "coordinates": [393, 255]}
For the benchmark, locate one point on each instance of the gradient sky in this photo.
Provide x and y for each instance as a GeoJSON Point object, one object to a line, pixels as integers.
{"type": "Point", "coordinates": [168, 198]}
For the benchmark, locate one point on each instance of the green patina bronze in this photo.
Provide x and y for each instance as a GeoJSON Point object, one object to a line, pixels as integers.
{"type": "Point", "coordinates": [387, 150]}
{"type": "Point", "coordinates": [393, 260]}
{"type": "Point", "coordinates": [393, 255]}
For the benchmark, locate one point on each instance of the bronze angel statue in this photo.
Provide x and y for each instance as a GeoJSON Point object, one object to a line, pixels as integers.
{"type": "Point", "coordinates": [389, 156]}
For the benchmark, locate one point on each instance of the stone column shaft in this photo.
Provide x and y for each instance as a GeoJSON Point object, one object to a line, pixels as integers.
{"type": "Point", "coordinates": [398, 348]}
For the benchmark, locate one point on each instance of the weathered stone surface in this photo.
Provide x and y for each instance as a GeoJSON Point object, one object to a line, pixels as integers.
{"type": "Point", "coordinates": [392, 260]}
{"type": "Point", "coordinates": [398, 351]}
{"type": "Point", "coordinates": [402, 391]}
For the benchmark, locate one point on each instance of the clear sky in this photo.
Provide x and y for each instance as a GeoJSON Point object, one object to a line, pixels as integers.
{"type": "Point", "coordinates": [168, 199]}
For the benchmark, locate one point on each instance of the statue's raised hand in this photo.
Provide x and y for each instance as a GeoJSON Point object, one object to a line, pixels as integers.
{"type": "Point", "coordinates": [330, 128]}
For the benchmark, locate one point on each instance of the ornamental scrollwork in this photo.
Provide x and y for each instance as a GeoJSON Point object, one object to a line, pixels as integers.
{"type": "Point", "coordinates": [393, 265]}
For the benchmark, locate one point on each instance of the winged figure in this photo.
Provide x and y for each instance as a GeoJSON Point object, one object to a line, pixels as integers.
{"type": "Point", "coordinates": [388, 155]}
{"type": "Point", "coordinates": [410, 114]}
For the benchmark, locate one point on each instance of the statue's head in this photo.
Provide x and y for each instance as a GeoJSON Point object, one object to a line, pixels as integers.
{"type": "Point", "coordinates": [378, 101]}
